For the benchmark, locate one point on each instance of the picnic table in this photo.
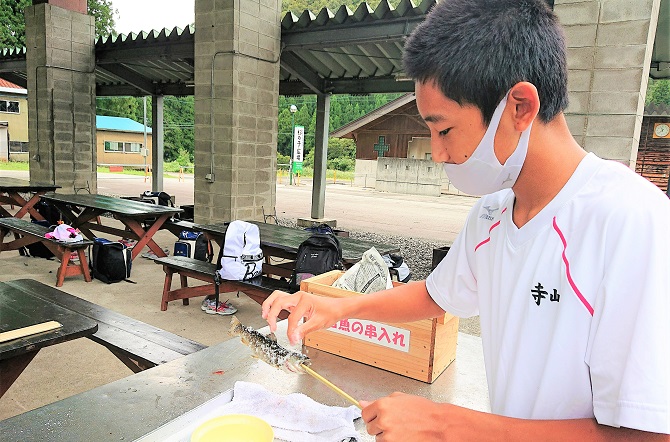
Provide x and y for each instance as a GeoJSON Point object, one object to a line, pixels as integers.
{"type": "Point", "coordinates": [10, 195]}
{"type": "Point", "coordinates": [141, 220]}
{"type": "Point", "coordinates": [20, 307]}
{"type": "Point", "coordinates": [130, 408]}
{"type": "Point", "coordinates": [283, 242]}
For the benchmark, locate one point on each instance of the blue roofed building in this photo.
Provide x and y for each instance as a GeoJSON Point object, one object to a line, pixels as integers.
{"type": "Point", "coordinates": [121, 142]}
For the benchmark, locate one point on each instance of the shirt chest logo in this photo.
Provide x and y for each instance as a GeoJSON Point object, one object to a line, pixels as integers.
{"type": "Point", "coordinates": [489, 212]}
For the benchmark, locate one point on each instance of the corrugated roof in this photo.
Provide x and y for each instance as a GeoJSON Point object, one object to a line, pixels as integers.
{"type": "Point", "coordinates": [104, 122]}
{"type": "Point", "coordinates": [337, 52]}
{"type": "Point", "coordinates": [357, 52]}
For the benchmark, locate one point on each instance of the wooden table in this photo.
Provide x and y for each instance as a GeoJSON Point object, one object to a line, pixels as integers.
{"type": "Point", "coordinates": [10, 195]}
{"type": "Point", "coordinates": [134, 406]}
{"type": "Point", "coordinates": [20, 307]}
{"type": "Point", "coordinates": [81, 209]}
{"type": "Point", "coordinates": [283, 242]}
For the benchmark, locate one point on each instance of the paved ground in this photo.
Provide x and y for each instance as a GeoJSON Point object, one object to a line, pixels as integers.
{"type": "Point", "coordinates": [66, 369]}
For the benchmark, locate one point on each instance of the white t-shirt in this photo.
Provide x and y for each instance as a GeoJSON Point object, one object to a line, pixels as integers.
{"type": "Point", "coordinates": [574, 305]}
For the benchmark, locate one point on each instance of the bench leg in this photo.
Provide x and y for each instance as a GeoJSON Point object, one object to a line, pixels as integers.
{"type": "Point", "coordinates": [67, 267]}
{"type": "Point", "coordinates": [62, 270]}
{"type": "Point", "coordinates": [83, 265]}
{"type": "Point", "coordinates": [184, 283]}
{"type": "Point", "coordinates": [166, 288]}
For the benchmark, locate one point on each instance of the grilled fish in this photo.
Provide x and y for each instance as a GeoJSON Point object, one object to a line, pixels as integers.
{"type": "Point", "coordinates": [267, 349]}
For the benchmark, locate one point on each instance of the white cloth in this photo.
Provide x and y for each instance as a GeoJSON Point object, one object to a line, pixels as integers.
{"type": "Point", "coordinates": [574, 305]}
{"type": "Point", "coordinates": [294, 417]}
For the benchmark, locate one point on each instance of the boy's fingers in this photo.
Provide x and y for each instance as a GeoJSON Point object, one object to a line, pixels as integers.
{"type": "Point", "coordinates": [272, 306]}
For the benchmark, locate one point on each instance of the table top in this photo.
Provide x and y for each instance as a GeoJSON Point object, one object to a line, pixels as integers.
{"type": "Point", "coordinates": [136, 405]}
{"type": "Point", "coordinates": [20, 307]}
{"type": "Point", "coordinates": [104, 203]}
{"type": "Point", "coordinates": [288, 239]}
{"type": "Point", "coordinates": [18, 185]}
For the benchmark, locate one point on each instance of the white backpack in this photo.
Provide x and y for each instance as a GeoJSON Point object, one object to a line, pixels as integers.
{"type": "Point", "coordinates": [241, 257]}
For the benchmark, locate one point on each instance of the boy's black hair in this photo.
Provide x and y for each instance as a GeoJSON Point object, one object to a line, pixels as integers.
{"type": "Point", "coordinates": [476, 50]}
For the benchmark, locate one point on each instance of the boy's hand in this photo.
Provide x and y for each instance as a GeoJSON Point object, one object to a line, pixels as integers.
{"type": "Point", "coordinates": [319, 312]}
{"type": "Point", "coordinates": [402, 417]}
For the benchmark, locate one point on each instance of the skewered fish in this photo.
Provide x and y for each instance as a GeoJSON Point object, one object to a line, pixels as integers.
{"type": "Point", "coordinates": [267, 349]}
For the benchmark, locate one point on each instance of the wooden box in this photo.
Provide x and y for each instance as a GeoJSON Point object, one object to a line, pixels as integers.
{"type": "Point", "coordinates": [420, 350]}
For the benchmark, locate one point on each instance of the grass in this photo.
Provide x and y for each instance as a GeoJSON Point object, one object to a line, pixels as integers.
{"type": "Point", "coordinates": [173, 167]}
{"type": "Point", "coordinates": [13, 165]}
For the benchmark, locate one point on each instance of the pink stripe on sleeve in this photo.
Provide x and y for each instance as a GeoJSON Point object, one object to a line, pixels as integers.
{"type": "Point", "coordinates": [567, 270]}
{"type": "Point", "coordinates": [496, 224]}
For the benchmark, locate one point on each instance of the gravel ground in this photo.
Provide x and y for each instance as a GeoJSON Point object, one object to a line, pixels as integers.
{"type": "Point", "coordinates": [417, 253]}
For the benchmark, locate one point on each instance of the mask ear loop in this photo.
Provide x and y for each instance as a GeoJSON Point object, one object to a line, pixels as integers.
{"type": "Point", "coordinates": [490, 134]}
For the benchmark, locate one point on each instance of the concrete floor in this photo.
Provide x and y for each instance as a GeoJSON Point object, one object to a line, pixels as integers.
{"type": "Point", "coordinates": [70, 368]}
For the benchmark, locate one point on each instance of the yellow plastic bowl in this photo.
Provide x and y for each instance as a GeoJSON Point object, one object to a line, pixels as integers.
{"type": "Point", "coordinates": [234, 428]}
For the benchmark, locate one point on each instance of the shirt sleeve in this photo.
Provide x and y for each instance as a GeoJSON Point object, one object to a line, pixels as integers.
{"type": "Point", "coordinates": [452, 284]}
{"type": "Point", "coordinates": [629, 341]}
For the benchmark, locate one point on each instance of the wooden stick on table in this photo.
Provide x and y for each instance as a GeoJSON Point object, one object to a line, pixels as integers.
{"type": "Point", "coordinates": [29, 330]}
{"type": "Point", "coordinates": [330, 385]}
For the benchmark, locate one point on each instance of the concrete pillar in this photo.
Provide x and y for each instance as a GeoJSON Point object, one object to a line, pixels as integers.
{"type": "Point", "coordinates": [60, 61]}
{"type": "Point", "coordinates": [320, 155]}
{"type": "Point", "coordinates": [610, 43]}
{"type": "Point", "coordinates": [237, 49]}
{"type": "Point", "coordinates": [157, 143]}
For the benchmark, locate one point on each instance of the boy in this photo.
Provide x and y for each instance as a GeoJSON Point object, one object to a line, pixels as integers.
{"type": "Point", "coordinates": [564, 258]}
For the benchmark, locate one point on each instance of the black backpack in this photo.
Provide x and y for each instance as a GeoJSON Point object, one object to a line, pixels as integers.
{"type": "Point", "coordinates": [318, 254]}
{"type": "Point", "coordinates": [110, 261]}
{"type": "Point", "coordinates": [51, 215]}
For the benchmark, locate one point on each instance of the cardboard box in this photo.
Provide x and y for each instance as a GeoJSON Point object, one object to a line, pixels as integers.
{"type": "Point", "coordinates": [420, 350]}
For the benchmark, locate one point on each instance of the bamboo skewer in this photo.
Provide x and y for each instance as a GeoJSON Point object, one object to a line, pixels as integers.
{"type": "Point", "coordinates": [330, 385]}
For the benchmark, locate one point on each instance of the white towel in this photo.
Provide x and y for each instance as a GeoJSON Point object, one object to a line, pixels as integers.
{"type": "Point", "coordinates": [294, 417]}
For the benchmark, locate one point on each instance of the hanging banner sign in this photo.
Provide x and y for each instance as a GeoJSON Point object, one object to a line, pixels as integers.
{"type": "Point", "coordinates": [298, 143]}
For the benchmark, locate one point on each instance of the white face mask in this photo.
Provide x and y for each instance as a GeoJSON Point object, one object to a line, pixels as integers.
{"type": "Point", "coordinates": [482, 173]}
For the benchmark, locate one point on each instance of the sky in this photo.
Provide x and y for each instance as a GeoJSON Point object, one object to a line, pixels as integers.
{"type": "Point", "coordinates": [145, 15]}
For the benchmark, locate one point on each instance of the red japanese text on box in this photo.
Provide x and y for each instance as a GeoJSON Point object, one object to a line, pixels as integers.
{"type": "Point", "coordinates": [374, 332]}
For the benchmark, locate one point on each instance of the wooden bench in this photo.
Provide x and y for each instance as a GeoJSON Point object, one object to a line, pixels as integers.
{"type": "Point", "coordinates": [135, 343]}
{"type": "Point", "coordinates": [257, 289]}
{"type": "Point", "coordinates": [26, 233]}
{"type": "Point", "coordinates": [176, 225]}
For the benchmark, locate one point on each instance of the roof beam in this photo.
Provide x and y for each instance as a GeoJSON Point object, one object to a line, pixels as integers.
{"type": "Point", "coordinates": [373, 32]}
{"type": "Point", "coordinates": [142, 84]}
{"type": "Point", "coordinates": [168, 50]}
{"type": "Point", "coordinates": [349, 86]}
{"type": "Point", "coordinates": [297, 68]}
{"type": "Point", "coordinates": [176, 89]}
{"type": "Point", "coordinates": [18, 65]}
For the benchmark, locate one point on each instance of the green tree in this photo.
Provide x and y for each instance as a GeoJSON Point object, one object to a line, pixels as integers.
{"type": "Point", "coordinates": [658, 92]}
{"type": "Point", "coordinates": [178, 123]}
{"type": "Point", "coordinates": [128, 107]}
{"type": "Point", "coordinates": [13, 29]}
{"type": "Point", "coordinates": [104, 12]}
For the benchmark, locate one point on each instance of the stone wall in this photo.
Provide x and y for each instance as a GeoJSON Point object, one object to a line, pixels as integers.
{"type": "Point", "coordinates": [60, 62]}
{"type": "Point", "coordinates": [237, 46]}
{"type": "Point", "coordinates": [402, 175]}
{"type": "Point", "coordinates": [609, 52]}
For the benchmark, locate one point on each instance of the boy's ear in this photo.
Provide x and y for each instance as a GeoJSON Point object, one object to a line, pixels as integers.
{"type": "Point", "coordinates": [525, 101]}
